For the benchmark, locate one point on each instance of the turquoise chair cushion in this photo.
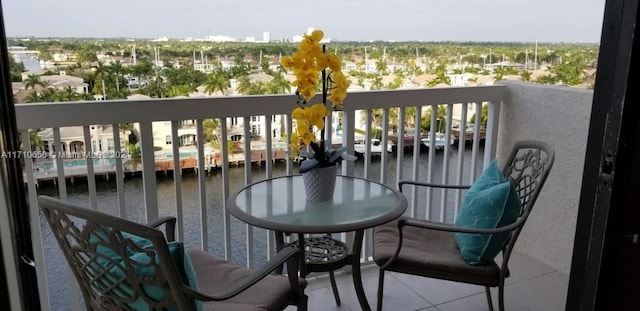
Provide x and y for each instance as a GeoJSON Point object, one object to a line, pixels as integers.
{"type": "Point", "coordinates": [139, 257]}
{"type": "Point", "coordinates": [192, 278]}
{"type": "Point", "coordinates": [491, 202]}
{"type": "Point", "coordinates": [144, 268]}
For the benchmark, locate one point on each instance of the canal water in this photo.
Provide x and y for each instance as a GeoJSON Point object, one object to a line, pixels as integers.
{"type": "Point", "coordinates": [58, 272]}
{"type": "Point", "coordinates": [30, 64]}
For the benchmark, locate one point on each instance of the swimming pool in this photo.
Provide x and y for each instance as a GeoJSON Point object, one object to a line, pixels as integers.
{"type": "Point", "coordinates": [47, 166]}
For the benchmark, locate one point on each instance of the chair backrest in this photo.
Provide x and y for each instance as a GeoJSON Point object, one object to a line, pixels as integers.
{"type": "Point", "coordinates": [118, 264]}
{"type": "Point", "coordinates": [527, 168]}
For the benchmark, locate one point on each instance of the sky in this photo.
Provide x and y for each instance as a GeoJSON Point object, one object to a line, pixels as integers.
{"type": "Point", "coordinates": [343, 20]}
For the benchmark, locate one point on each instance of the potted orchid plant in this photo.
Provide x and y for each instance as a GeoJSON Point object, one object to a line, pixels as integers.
{"type": "Point", "coordinates": [309, 64]}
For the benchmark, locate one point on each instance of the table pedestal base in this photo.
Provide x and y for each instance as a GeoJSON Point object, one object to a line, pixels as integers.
{"type": "Point", "coordinates": [325, 254]}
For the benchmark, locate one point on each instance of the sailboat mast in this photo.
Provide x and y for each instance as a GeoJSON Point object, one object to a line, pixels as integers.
{"type": "Point", "coordinates": [133, 53]}
{"type": "Point", "coordinates": [535, 58]}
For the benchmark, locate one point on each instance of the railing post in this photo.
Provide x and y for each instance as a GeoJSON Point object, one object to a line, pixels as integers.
{"type": "Point", "coordinates": [348, 124]}
{"type": "Point", "coordinates": [202, 187]}
{"type": "Point", "coordinates": [491, 141]}
{"type": "Point", "coordinates": [148, 171]}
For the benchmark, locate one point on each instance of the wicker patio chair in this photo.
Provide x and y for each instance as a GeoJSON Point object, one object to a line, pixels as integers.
{"type": "Point", "coordinates": [429, 249]}
{"type": "Point", "coordinates": [122, 265]}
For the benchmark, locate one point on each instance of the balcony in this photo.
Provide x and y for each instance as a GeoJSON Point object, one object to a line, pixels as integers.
{"type": "Point", "coordinates": [556, 115]}
{"type": "Point", "coordinates": [532, 286]}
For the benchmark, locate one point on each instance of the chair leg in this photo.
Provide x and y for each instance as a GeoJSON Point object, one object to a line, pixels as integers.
{"type": "Point", "coordinates": [501, 296]}
{"type": "Point", "coordinates": [380, 289]}
{"type": "Point", "coordinates": [487, 290]}
{"type": "Point", "coordinates": [336, 295]}
{"type": "Point", "coordinates": [302, 303]}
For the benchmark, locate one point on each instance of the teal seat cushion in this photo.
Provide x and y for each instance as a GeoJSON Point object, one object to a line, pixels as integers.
{"type": "Point", "coordinates": [144, 265]}
{"type": "Point", "coordinates": [192, 278]}
{"type": "Point", "coordinates": [142, 259]}
{"type": "Point", "coordinates": [491, 202]}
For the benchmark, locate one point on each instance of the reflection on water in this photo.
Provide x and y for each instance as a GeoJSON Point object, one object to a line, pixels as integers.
{"type": "Point", "coordinates": [192, 214]}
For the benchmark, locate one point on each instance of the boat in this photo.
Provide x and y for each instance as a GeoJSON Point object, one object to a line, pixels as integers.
{"type": "Point", "coordinates": [440, 142]}
{"type": "Point", "coordinates": [469, 133]}
{"type": "Point", "coordinates": [375, 147]}
{"type": "Point", "coordinates": [407, 141]}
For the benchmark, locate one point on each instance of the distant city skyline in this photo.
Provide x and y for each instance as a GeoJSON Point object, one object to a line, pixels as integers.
{"type": "Point", "coordinates": [355, 20]}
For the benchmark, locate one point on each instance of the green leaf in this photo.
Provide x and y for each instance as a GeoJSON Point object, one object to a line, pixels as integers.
{"type": "Point", "coordinates": [335, 154]}
{"type": "Point", "coordinates": [308, 165]}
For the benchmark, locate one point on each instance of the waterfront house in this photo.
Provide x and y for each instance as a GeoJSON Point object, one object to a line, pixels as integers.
{"type": "Point", "coordinates": [62, 81]}
{"type": "Point", "coordinates": [72, 141]}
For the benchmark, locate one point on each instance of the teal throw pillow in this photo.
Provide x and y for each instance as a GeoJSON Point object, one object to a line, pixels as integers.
{"type": "Point", "coordinates": [491, 202]}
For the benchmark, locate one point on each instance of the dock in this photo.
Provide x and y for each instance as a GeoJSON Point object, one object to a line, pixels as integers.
{"type": "Point", "coordinates": [45, 170]}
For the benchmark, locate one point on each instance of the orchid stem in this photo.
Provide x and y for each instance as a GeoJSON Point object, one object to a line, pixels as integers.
{"type": "Point", "coordinates": [324, 99]}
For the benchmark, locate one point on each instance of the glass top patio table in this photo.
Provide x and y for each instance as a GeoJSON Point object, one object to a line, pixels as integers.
{"type": "Point", "coordinates": [280, 204]}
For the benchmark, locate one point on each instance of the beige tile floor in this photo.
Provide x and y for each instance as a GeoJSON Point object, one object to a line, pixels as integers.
{"type": "Point", "coordinates": [532, 286]}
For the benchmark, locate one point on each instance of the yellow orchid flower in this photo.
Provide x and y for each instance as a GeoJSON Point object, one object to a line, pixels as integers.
{"type": "Point", "coordinates": [317, 35]}
{"type": "Point", "coordinates": [298, 113]}
{"type": "Point", "coordinates": [319, 111]}
{"type": "Point", "coordinates": [308, 93]}
{"type": "Point", "coordinates": [287, 62]}
{"type": "Point", "coordinates": [318, 122]}
{"type": "Point", "coordinates": [334, 62]}
{"type": "Point", "coordinates": [308, 137]}
{"type": "Point", "coordinates": [306, 45]}
{"type": "Point", "coordinates": [295, 149]}
{"type": "Point", "coordinates": [302, 127]}
{"type": "Point", "coordinates": [322, 62]}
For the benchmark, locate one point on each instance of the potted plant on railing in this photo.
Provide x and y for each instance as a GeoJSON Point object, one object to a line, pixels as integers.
{"type": "Point", "coordinates": [310, 63]}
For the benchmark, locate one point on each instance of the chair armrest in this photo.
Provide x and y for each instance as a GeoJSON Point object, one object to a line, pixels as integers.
{"type": "Point", "coordinates": [289, 255]}
{"type": "Point", "coordinates": [412, 222]}
{"type": "Point", "coordinates": [427, 184]}
{"type": "Point", "coordinates": [170, 226]}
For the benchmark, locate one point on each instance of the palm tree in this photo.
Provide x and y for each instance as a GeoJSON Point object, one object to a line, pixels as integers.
{"type": "Point", "coordinates": [178, 90]}
{"type": "Point", "coordinates": [244, 84]}
{"type": "Point", "coordinates": [99, 71]}
{"type": "Point", "coordinates": [70, 93]}
{"type": "Point", "coordinates": [376, 118]}
{"type": "Point", "coordinates": [35, 141]}
{"type": "Point", "coordinates": [117, 69]}
{"type": "Point", "coordinates": [381, 67]}
{"type": "Point", "coordinates": [525, 75]}
{"type": "Point", "coordinates": [441, 117]}
{"type": "Point", "coordinates": [156, 88]}
{"type": "Point", "coordinates": [441, 76]}
{"type": "Point", "coordinates": [51, 95]}
{"type": "Point", "coordinates": [32, 81]}
{"type": "Point", "coordinates": [132, 138]}
{"type": "Point", "coordinates": [278, 85]}
{"type": "Point", "coordinates": [143, 69]}
{"type": "Point", "coordinates": [484, 114]}
{"type": "Point", "coordinates": [217, 81]}
{"type": "Point", "coordinates": [377, 84]}
{"type": "Point", "coordinates": [33, 97]}
{"type": "Point", "coordinates": [211, 129]}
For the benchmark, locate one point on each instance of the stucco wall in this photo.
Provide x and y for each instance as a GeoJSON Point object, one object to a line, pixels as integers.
{"type": "Point", "coordinates": [559, 116]}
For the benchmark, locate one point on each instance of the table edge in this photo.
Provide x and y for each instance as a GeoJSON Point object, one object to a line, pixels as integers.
{"type": "Point", "coordinates": [399, 209]}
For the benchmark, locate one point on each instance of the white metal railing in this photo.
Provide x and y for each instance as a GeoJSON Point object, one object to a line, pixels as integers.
{"type": "Point", "coordinates": [457, 163]}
